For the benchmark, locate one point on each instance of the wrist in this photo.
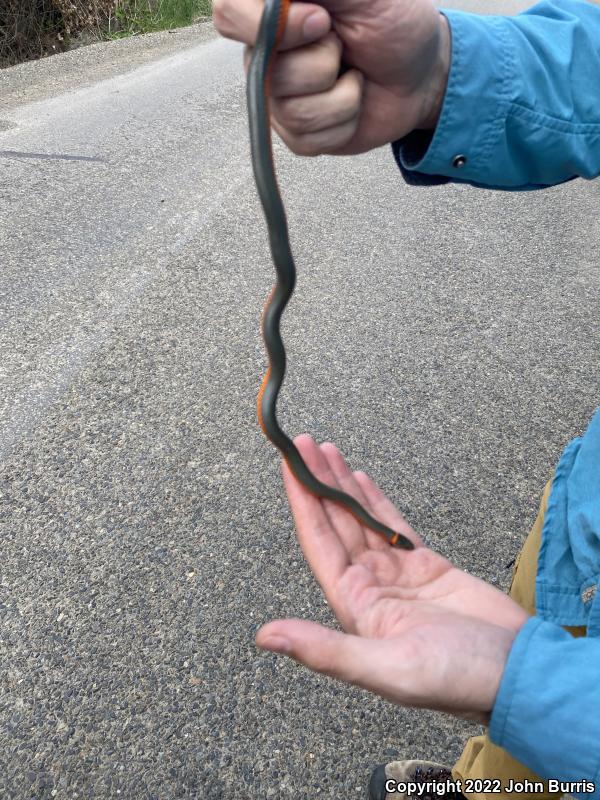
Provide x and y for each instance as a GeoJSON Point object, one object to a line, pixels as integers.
{"type": "Point", "coordinates": [435, 88]}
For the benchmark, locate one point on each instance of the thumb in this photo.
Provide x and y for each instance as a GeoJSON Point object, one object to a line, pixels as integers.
{"type": "Point", "coordinates": [306, 22]}
{"type": "Point", "coordinates": [340, 655]}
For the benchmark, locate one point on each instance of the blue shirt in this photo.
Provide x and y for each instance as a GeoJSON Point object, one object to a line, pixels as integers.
{"type": "Point", "coordinates": [569, 558]}
{"type": "Point", "coordinates": [529, 88]}
{"type": "Point", "coordinates": [547, 711]}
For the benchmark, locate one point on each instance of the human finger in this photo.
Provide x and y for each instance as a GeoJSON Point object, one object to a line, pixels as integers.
{"type": "Point", "coordinates": [348, 483]}
{"type": "Point", "coordinates": [349, 530]}
{"type": "Point", "coordinates": [353, 659]}
{"type": "Point", "coordinates": [320, 543]}
{"type": "Point", "coordinates": [422, 668]}
{"type": "Point", "coordinates": [322, 120]}
{"type": "Point", "coordinates": [383, 509]}
{"type": "Point", "coordinates": [304, 70]}
{"type": "Point", "coordinates": [306, 22]}
{"type": "Point", "coordinates": [340, 655]}
{"type": "Point", "coordinates": [329, 141]}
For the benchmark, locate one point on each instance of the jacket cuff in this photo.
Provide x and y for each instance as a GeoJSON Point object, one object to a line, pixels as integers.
{"type": "Point", "coordinates": [478, 90]}
{"type": "Point", "coordinates": [546, 710]}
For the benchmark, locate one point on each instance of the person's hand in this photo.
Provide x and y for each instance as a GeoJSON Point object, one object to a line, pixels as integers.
{"type": "Point", "coordinates": [398, 52]}
{"type": "Point", "coordinates": [419, 631]}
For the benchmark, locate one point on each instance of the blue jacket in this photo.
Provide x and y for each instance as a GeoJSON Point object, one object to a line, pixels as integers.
{"type": "Point", "coordinates": [522, 105]}
{"type": "Point", "coordinates": [529, 89]}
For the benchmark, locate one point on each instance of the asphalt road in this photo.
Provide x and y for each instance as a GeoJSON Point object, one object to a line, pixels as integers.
{"type": "Point", "coordinates": [446, 339]}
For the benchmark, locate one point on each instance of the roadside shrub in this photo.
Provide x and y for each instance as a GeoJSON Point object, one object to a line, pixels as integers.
{"type": "Point", "coordinates": [24, 26]}
{"type": "Point", "coordinates": [88, 15]}
{"type": "Point", "coordinates": [33, 28]}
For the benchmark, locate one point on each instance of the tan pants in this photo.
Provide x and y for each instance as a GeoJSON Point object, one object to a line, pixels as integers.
{"type": "Point", "coordinates": [481, 758]}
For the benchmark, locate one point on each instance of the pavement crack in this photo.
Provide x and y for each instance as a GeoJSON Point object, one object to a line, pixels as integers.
{"type": "Point", "coordinates": [50, 156]}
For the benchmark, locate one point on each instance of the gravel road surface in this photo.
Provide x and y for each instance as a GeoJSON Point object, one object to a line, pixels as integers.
{"type": "Point", "coordinates": [446, 339]}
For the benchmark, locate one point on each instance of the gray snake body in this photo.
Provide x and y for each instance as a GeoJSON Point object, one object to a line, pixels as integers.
{"type": "Point", "coordinates": [269, 36]}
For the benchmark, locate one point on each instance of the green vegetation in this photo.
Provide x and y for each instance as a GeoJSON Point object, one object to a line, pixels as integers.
{"type": "Point", "coordinates": [35, 28]}
{"type": "Point", "coordinates": [145, 16]}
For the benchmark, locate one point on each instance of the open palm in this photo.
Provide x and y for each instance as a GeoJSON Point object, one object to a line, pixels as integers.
{"type": "Point", "coordinates": [419, 631]}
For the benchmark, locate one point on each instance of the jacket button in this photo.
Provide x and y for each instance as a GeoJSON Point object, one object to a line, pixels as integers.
{"type": "Point", "coordinates": [459, 161]}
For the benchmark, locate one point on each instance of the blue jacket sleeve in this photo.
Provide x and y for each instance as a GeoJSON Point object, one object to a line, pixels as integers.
{"type": "Point", "coordinates": [546, 711]}
{"type": "Point", "coordinates": [522, 105]}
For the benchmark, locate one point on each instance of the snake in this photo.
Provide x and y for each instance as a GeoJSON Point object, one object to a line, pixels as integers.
{"type": "Point", "coordinates": [270, 34]}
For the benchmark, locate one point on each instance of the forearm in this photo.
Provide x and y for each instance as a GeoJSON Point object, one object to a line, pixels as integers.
{"type": "Point", "coordinates": [522, 103]}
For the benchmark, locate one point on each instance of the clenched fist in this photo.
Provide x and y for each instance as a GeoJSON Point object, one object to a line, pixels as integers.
{"type": "Point", "coordinates": [395, 54]}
